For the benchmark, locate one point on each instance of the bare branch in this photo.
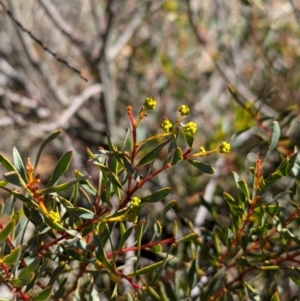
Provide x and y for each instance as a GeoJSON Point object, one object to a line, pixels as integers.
{"type": "Point", "coordinates": [98, 16]}
{"type": "Point", "coordinates": [126, 36]}
{"type": "Point", "coordinates": [38, 41]}
{"type": "Point", "coordinates": [68, 113]}
{"type": "Point", "coordinates": [131, 29]}
{"type": "Point", "coordinates": [21, 100]}
{"type": "Point", "coordinates": [59, 22]}
{"type": "Point", "coordinates": [111, 7]}
{"type": "Point", "coordinates": [30, 59]}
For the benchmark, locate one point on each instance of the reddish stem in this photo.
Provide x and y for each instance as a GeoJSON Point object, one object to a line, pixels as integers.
{"type": "Point", "coordinates": [143, 247]}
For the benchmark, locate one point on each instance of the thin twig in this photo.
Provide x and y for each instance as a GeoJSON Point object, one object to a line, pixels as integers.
{"type": "Point", "coordinates": [126, 35]}
{"type": "Point", "coordinates": [68, 113]}
{"type": "Point", "coordinates": [39, 42]}
{"type": "Point", "coordinates": [59, 22]}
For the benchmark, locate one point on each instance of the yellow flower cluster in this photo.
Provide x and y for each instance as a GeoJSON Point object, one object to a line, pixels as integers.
{"type": "Point", "coordinates": [150, 103]}
{"type": "Point", "coordinates": [166, 125]}
{"type": "Point", "coordinates": [134, 208]}
{"type": "Point", "coordinates": [190, 127]}
{"type": "Point", "coordinates": [184, 110]}
{"type": "Point", "coordinates": [53, 216]}
{"type": "Point", "coordinates": [224, 147]}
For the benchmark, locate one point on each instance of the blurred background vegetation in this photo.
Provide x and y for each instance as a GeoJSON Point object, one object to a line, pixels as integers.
{"type": "Point", "coordinates": [179, 52]}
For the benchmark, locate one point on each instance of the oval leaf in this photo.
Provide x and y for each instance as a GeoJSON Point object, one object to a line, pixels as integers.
{"type": "Point", "coordinates": [157, 196]}
{"type": "Point", "coordinates": [177, 156]}
{"type": "Point", "coordinates": [189, 137]}
{"type": "Point", "coordinates": [43, 295]}
{"type": "Point", "coordinates": [81, 212]}
{"type": "Point", "coordinates": [153, 153]}
{"type": "Point", "coordinates": [18, 163]}
{"type": "Point", "coordinates": [13, 256]}
{"type": "Point", "coordinates": [202, 167]}
{"type": "Point", "coordinates": [167, 208]}
{"type": "Point", "coordinates": [51, 137]}
{"type": "Point", "coordinates": [274, 138]}
{"type": "Point", "coordinates": [7, 164]}
{"type": "Point", "coordinates": [5, 232]}
{"type": "Point", "coordinates": [59, 187]}
{"type": "Point", "coordinates": [60, 168]}
{"type": "Point", "coordinates": [14, 177]}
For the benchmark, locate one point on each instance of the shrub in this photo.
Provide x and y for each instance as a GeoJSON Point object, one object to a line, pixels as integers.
{"type": "Point", "coordinates": [91, 242]}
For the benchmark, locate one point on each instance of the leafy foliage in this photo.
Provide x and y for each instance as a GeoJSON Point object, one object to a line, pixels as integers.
{"type": "Point", "coordinates": [136, 222]}
{"type": "Point", "coordinates": [85, 232]}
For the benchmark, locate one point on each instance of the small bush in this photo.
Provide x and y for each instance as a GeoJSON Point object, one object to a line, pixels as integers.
{"type": "Point", "coordinates": [94, 242]}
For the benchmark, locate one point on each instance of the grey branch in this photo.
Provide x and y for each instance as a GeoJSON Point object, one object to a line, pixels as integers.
{"type": "Point", "coordinates": [68, 113]}
{"type": "Point", "coordinates": [59, 22]}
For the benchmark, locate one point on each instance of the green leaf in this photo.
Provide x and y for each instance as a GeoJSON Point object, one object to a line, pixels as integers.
{"type": "Point", "coordinates": [85, 184]}
{"type": "Point", "coordinates": [60, 187]}
{"type": "Point", "coordinates": [56, 273]}
{"type": "Point", "coordinates": [153, 293]}
{"type": "Point", "coordinates": [20, 230]}
{"type": "Point", "coordinates": [146, 269]}
{"type": "Point", "coordinates": [6, 163]}
{"type": "Point", "coordinates": [270, 209]}
{"type": "Point", "coordinates": [60, 168]}
{"type": "Point", "coordinates": [244, 188]}
{"type": "Point", "coordinates": [156, 196]}
{"type": "Point", "coordinates": [127, 165]}
{"type": "Point", "coordinates": [217, 282]}
{"type": "Point", "coordinates": [19, 196]}
{"type": "Point", "coordinates": [15, 178]}
{"type": "Point", "coordinates": [110, 144]}
{"type": "Point", "coordinates": [296, 280]}
{"type": "Point", "coordinates": [6, 231]}
{"type": "Point", "coordinates": [280, 196]}
{"type": "Point", "coordinates": [20, 282]}
{"type": "Point", "coordinates": [12, 257]}
{"type": "Point", "coordinates": [177, 156]}
{"type": "Point", "coordinates": [167, 207]}
{"type": "Point", "coordinates": [115, 182]}
{"type": "Point", "coordinates": [3, 183]}
{"type": "Point", "coordinates": [51, 137]}
{"type": "Point", "coordinates": [18, 163]}
{"type": "Point", "coordinates": [61, 289]}
{"type": "Point", "coordinates": [100, 254]}
{"type": "Point", "coordinates": [202, 167]}
{"type": "Point", "coordinates": [274, 138]}
{"type": "Point", "coordinates": [81, 212]}
{"type": "Point", "coordinates": [191, 274]}
{"type": "Point", "coordinates": [32, 267]}
{"type": "Point", "coordinates": [189, 237]}
{"type": "Point", "coordinates": [73, 233]}
{"type": "Point", "coordinates": [170, 291]}
{"type": "Point", "coordinates": [38, 275]}
{"type": "Point", "coordinates": [253, 295]}
{"type": "Point", "coordinates": [189, 137]}
{"type": "Point", "coordinates": [150, 157]}
{"type": "Point", "coordinates": [282, 171]}
{"type": "Point", "coordinates": [125, 236]}
{"type": "Point", "coordinates": [139, 235]}
{"type": "Point", "coordinates": [43, 295]}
